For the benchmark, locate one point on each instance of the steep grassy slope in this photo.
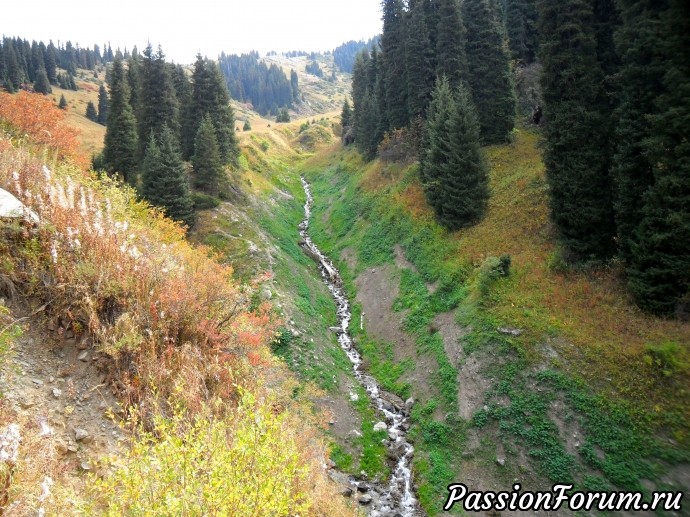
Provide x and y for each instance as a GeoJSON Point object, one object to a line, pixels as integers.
{"type": "Point", "coordinates": [181, 342]}
{"type": "Point", "coordinates": [575, 384]}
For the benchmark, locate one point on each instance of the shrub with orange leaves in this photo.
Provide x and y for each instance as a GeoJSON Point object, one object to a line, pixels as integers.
{"type": "Point", "coordinates": [171, 318]}
{"type": "Point", "coordinates": [37, 117]}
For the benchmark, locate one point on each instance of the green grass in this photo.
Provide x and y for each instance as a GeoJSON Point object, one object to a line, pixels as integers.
{"type": "Point", "coordinates": [371, 209]}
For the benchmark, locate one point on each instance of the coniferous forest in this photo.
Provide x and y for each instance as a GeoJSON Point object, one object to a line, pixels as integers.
{"type": "Point", "coordinates": [267, 88]}
{"type": "Point", "coordinates": [157, 110]}
{"type": "Point", "coordinates": [612, 76]}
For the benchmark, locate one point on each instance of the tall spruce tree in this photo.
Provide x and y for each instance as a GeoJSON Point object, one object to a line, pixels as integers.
{"type": "Point", "coordinates": [183, 92]}
{"type": "Point", "coordinates": [134, 80]}
{"type": "Point", "coordinates": [41, 85]}
{"type": "Point", "coordinates": [577, 139]}
{"type": "Point", "coordinates": [521, 28]}
{"type": "Point", "coordinates": [346, 116]}
{"type": "Point", "coordinates": [488, 70]}
{"type": "Point", "coordinates": [655, 163]}
{"type": "Point", "coordinates": [164, 180]}
{"type": "Point", "coordinates": [158, 104]}
{"type": "Point", "coordinates": [210, 96]}
{"type": "Point", "coordinates": [103, 106]}
{"type": "Point", "coordinates": [453, 170]}
{"type": "Point", "coordinates": [419, 55]}
{"type": "Point", "coordinates": [451, 59]}
{"type": "Point", "coordinates": [120, 143]}
{"type": "Point", "coordinates": [91, 112]}
{"type": "Point", "coordinates": [63, 102]}
{"type": "Point", "coordinates": [394, 64]}
{"type": "Point", "coordinates": [639, 84]}
{"type": "Point", "coordinates": [208, 169]}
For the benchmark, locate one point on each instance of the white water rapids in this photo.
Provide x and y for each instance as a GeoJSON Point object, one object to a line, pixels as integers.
{"type": "Point", "coordinates": [397, 498]}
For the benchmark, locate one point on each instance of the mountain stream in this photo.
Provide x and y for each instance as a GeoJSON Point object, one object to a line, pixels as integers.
{"type": "Point", "coordinates": [397, 497]}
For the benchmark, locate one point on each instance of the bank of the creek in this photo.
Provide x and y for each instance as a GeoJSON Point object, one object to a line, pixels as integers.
{"type": "Point", "coordinates": [395, 498]}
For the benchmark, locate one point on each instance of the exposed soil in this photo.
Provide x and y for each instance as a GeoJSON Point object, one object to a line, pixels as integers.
{"type": "Point", "coordinates": [344, 422]}
{"type": "Point", "coordinates": [377, 289]}
{"type": "Point", "coordinates": [53, 379]}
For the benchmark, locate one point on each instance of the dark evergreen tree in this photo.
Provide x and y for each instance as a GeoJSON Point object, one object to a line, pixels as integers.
{"type": "Point", "coordinates": [453, 170]}
{"type": "Point", "coordinates": [419, 55]}
{"type": "Point", "coordinates": [394, 64]}
{"type": "Point", "coordinates": [488, 70]}
{"type": "Point", "coordinates": [164, 180]}
{"type": "Point", "coordinates": [41, 85]}
{"type": "Point", "coordinates": [158, 104]}
{"type": "Point", "coordinates": [91, 112]}
{"type": "Point", "coordinates": [346, 116]}
{"type": "Point", "coordinates": [103, 105]}
{"type": "Point", "coordinates": [294, 85]}
{"type": "Point", "coordinates": [208, 169]}
{"type": "Point", "coordinates": [63, 102]}
{"type": "Point", "coordinates": [451, 59]}
{"type": "Point", "coordinates": [134, 80]}
{"type": "Point", "coordinates": [367, 129]}
{"type": "Point", "coordinates": [51, 63]}
{"type": "Point", "coordinates": [120, 144]}
{"type": "Point", "coordinates": [210, 96]}
{"type": "Point", "coordinates": [183, 92]}
{"type": "Point", "coordinates": [521, 27]}
{"type": "Point", "coordinates": [283, 115]}
{"type": "Point", "coordinates": [247, 126]}
{"type": "Point", "coordinates": [576, 158]}
{"type": "Point", "coordinates": [652, 164]}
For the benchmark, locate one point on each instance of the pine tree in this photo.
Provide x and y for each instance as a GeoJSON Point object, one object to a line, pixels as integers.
{"type": "Point", "coordinates": [134, 81]}
{"type": "Point", "coordinates": [120, 144]}
{"type": "Point", "coordinates": [658, 243]}
{"type": "Point", "coordinates": [210, 96]}
{"type": "Point", "coordinates": [247, 126]}
{"type": "Point", "coordinates": [394, 64]}
{"type": "Point", "coordinates": [183, 92]}
{"type": "Point", "coordinates": [63, 102]}
{"type": "Point", "coordinates": [158, 105]}
{"type": "Point", "coordinates": [164, 180]}
{"type": "Point", "coordinates": [91, 112]}
{"type": "Point", "coordinates": [639, 83]}
{"type": "Point", "coordinates": [453, 170]}
{"type": "Point", "coordinates": [103, 106]}
{"type": "Point", "coordinates": [451, 59]}
{"type": "Point", "coordinates": [577, 139]}
{"type": "Point", "coordinates": [208, 169]}
{"type": "Point", "coordinates": [41, 85]}
{"type": "Point", "coordinates": [346, 116]}
{"type": "Point", "coordinates": [521, 28]}
{"type": "Point", "coordinates": [283, 115]}
{"type": "Point", "coordinates": [294, 85]}
{"type": "Point", "coordinates": [51, 64]}
{"type": "Point", "coordinates": [488, 70]}
{"type": "Point", "coordinates": [367, 130]}
{"type": "Point", "coordinates": [419, 54]}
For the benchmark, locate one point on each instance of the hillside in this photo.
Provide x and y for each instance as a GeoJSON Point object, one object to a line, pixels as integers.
{"type": "Point", "coordinates": [121, 345]}
{"type": "Point", "coordinates": [548, 374]}
{"type": "Point", "coordinates": [219, 351]}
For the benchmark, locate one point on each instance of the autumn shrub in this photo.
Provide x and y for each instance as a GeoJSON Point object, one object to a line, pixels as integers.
{"type": "Point", "coordinates": [38, 118]}
{"type": "Point", "coordinates": [117, 269]}
{"type": "Point", "coordinates": [248, 463]}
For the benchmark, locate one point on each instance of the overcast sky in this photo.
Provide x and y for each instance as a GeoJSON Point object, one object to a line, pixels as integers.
{"type": "Point", "coordinates": [185, 28]}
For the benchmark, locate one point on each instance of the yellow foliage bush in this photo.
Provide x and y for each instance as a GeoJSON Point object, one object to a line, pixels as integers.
{"type": "Point", "coordinates": [248, 463]}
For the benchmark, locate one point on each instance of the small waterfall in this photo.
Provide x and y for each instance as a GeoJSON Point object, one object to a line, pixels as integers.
{"type": "Point", "coordinates": [396, 498]}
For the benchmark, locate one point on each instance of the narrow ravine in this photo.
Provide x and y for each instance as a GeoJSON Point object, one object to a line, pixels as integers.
{"type": "Point", "coordinates": [397, 497]}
